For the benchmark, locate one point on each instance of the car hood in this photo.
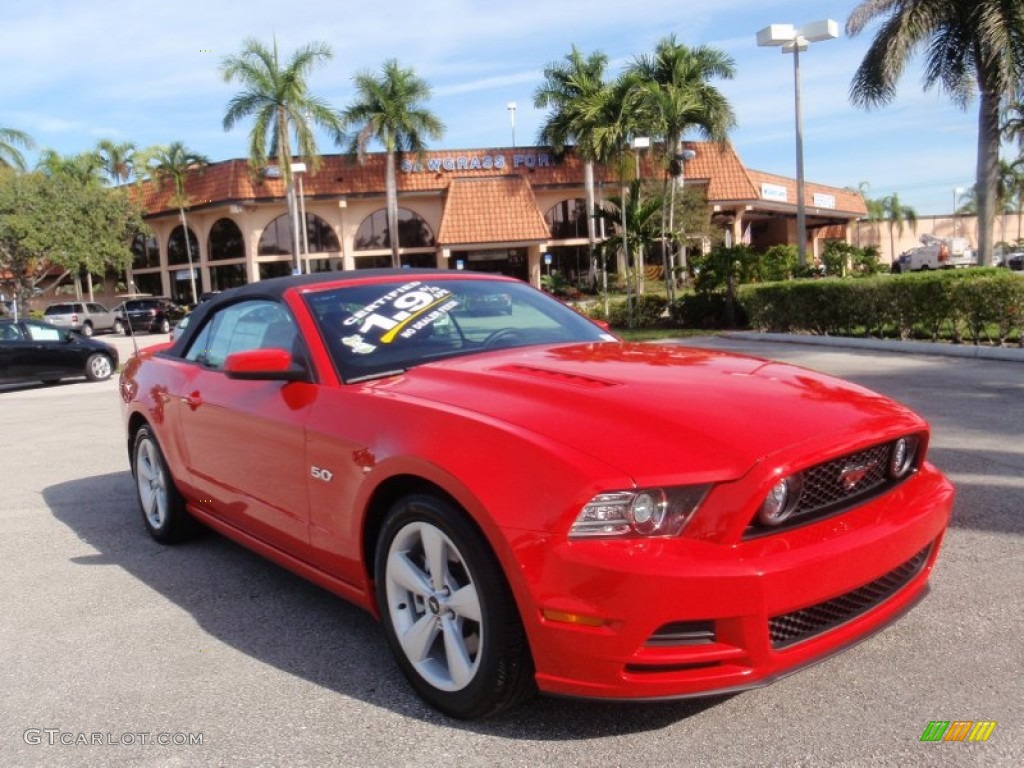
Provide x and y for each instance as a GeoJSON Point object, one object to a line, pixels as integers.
{"type": "Point", "coordinates": [656, 410]}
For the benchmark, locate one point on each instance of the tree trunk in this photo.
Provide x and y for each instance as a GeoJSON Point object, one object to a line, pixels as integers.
{"type": "Point", "coordinates": [588, 191]}
{"type": "Point", "coordinates": [188, 253]}
{"type": "Point", "coordinates": [391, 191]}
{"type": "Point", "coordinates": [988, 172]}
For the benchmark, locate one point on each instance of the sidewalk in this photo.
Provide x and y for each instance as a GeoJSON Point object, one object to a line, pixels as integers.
{"type": "Point", "coordinates": [1008, 354]}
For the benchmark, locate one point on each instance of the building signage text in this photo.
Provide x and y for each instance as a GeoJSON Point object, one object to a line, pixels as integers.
{"type": "Point", "coordinates": [774, 192]}
{"type": "Point", "coordinates": [824, 201]}
{"type": "Point", "coordinates": [478, 162]}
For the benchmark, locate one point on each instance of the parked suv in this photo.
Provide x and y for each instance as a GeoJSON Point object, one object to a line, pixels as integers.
{"type": "Point", "coordinates": [86, 317]}
{"type": "Point", "coordinates": [153, 314]}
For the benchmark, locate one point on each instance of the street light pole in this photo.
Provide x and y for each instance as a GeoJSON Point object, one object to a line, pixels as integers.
{"type": "Point", "coordinates": [511, 107]}
{"type": "Point", "coordinates": [793, 41]}
{"type": "Point", "coordinates": [957, 191]}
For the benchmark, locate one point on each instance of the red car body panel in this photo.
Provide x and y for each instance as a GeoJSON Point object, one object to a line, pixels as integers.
{"type": "Point", "coordinates": [521, 439]}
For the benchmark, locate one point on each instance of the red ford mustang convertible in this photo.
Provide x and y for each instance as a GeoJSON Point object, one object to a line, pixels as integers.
{"type": "Point", "coordinates": [526, 502]}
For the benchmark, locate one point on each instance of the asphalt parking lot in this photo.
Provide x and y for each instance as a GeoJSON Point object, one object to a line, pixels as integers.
{"type": "Point", "coordinates": [108, 637]}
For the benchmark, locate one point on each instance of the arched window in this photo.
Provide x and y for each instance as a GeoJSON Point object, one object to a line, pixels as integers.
{"type": "Point", "coordinates": [413, 231]}
{"type": "Point", "coordinates": [568, 219]}
{"type": "Point", "coordinates": [145, 252]}
{"type": "Point", "coordinates": [276, 239]}
{"type": "Point", "coordinates": [176, 253]}
{"type": "Point", "coordinates": [226, 241]}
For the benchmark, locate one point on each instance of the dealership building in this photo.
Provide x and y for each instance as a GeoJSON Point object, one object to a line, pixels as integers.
{"type": "Point", "coordinates": [516, 211]}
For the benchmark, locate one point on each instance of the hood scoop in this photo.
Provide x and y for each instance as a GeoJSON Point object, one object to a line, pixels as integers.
{"type": "Point", "coordinates": [556, 377]}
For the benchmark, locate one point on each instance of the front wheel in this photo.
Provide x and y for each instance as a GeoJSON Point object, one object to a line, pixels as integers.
{"type": "Point", "coordinates": [163, 325]}
{"type": "Point", "coordinates": [118, 327]}
{"type": "Point", "coordinates": [163, 509]}
{"type": "Point", "coordinates": [98, 367]}
{"type": "Point", "coordinates": [448, 613]}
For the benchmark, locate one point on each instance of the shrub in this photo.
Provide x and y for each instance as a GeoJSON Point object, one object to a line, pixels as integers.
{"type": "Point", "coordinates": [974, 299]}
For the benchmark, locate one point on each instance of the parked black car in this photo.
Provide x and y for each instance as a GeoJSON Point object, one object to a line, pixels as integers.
{"type": "Point", "coordinates": [153, 314]}
{"type": "Point", "coordinates": [31, 350]}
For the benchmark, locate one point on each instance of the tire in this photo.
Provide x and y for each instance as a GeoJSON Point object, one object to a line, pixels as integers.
{"type": "Point", "coordinates": [162, 507]}
{"type": "Point", "coordinates": [99, 367]}
{"type": "Point", "coordinates": [87, 329]}
{"type": "Point", "coordinates": [118, 327]}
{"type": "Point", "coordinates": [453, 605]}
{"type": "Point", "coordinates": [163, 325]}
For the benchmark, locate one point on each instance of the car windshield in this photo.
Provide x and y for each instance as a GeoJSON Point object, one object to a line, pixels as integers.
{"type": "Point", "coordinates": [379, 328]}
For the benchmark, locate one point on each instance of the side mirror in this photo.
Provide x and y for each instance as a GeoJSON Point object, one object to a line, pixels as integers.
{"type": "Point", "coordinates": [263, 365]}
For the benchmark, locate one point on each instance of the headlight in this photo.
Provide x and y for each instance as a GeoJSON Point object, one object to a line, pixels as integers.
{"type": "Point", "coordinates": [781, 500]}
{"type": "Point", "coordinates": [642, 512]}
{"type": "Point", "coordinates": [903, 457]}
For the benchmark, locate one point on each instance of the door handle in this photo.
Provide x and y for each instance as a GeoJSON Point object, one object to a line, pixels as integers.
{"type": "Point", "coordinates": [193, 400]}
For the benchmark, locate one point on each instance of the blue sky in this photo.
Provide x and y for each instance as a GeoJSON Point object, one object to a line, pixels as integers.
{"type": "Point", "coordinates": [72, 73]}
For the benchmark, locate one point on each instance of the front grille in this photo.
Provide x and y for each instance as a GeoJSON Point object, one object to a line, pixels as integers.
{"type": "Point", "coordinates": [823, 486]}
{"type": "Point", "coordinates": [836, 485]}
{"type": "Point", "coordinates": [790, 628]}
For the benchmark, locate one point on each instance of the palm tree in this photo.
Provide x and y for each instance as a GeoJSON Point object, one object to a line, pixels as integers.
{"type": "Point", "coordinates": [1013, 122]}
{"type": "Point", "coordinates": [971, 45]}
{"type": "Point", "coordinates": [278, 99]}
{"type": "Point", "coordinates": [389, 108]}
{"type": "Point", "coordinates": [117, 159]}
{"type": "Point", "coordinates": [175, 163]}
{"type": "Point", "coordinates": [567, 86]}
{"type": "Point", "coordinates": [615, 115]}
{"type": "Point", "coordinates": [642, 214]}
{"type": "Point", "coordinates": [10, 140]}
{"type": "Point", "coordinates": [896, 215]}
{"type": "Point", "coordinates": [677, 96]}
{"type": "Point", "coordinates": [1018, 193]}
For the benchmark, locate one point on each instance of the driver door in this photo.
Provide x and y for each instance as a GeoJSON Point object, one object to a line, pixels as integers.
{"type": "Point", "coordinates": [246, 440]}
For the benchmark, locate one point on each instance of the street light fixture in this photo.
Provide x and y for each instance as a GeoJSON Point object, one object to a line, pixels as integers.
{"type": "Point", "coordinates": [793, 41]}
{"type": "Point", "coordinates": [511, 107]}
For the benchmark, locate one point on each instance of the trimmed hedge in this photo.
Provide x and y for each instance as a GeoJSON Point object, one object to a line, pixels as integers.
{"type": "Point", "coordinates": [966, 303]}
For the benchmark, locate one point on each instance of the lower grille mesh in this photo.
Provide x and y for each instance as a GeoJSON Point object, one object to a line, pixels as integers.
{"type": "Point", "coordinates": [790, 628]}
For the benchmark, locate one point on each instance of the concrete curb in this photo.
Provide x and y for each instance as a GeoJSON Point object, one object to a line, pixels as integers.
{"type": "Point", "coordinates": [1007, 354]}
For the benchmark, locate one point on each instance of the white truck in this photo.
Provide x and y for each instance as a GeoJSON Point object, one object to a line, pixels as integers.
{"type": "Point", "coordinates": [936, 253]}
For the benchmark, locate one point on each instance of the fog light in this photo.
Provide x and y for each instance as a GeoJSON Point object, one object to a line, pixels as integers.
{"type": "Point", "coordinates": [901, 460]}
{"type": "Point", "coordinates": [781, 500]}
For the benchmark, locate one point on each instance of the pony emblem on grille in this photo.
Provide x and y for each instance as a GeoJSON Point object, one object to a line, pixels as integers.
{"type": "Point", "coordinates": [852, 475]}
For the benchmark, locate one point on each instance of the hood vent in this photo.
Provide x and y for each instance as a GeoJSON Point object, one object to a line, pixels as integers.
{"type": "Point", "coordinates": [560, 377]}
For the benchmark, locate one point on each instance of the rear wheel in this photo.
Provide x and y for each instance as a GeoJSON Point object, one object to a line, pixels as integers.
{"type": "Point", "coordinates": [118, 327]}
{"type": "Point", "coordinates": [87, 329]}
{"type": "Point", "coordinates": [98, 367]}
{"type": "Point", "coordinates": [163, 509]}
{"type": "Point", "coordinates": [448, 613]}
{"type": "Point", "coordinates": [163, 325]}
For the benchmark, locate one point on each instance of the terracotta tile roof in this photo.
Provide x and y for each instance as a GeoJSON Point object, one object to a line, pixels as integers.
{"type": "Point", "coordinates": [717, 166]}
{"type": "Point", "coordinates": [846, 201]}
{"type": "Point", "coordinates": [491, 210]}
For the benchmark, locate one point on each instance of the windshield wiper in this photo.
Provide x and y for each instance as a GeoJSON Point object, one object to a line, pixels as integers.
{"type": "Point", "coordinates": [372, 376]}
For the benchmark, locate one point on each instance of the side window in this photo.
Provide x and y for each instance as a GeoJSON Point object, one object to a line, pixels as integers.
{"type": "Point", "coordinates": [10, 332]}
{"type": "Point", "coordinates": [43, 333]}
{"type": "Point", "coordinates": [96, 308]}
{"type": "Point", "coordinates": [256, 324]}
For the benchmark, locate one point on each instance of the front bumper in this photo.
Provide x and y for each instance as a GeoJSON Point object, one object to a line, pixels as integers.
{"type": "Point", "coordinates": [680, 617]}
